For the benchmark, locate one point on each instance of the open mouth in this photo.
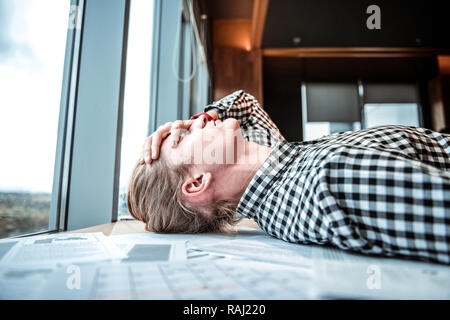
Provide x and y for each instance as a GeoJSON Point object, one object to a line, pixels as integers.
{"type": "Point", "coordinates": [213, 121]}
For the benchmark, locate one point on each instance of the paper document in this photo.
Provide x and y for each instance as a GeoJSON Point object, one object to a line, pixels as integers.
{"type": "Point", "coordinates": [140, 249]}
{"type": "Point", "coordinates": [23, 282]}
{"type": "Point", "coordinates": [61, 249]}
{"type": "Point", "coordinates": [192, 239]}
{"type": "Point", "coordinates": [183, 280]}
{"type": "Point", "coordinates": [5, 246]}
{"type": "Point", "coordinates": [202, 255]}
{"type": "Point", "coordinates": [263, 249]}
{"type": "Point", "coordinates": [381, 281]}
{"type": "Point", "coordinates": [341, 274]}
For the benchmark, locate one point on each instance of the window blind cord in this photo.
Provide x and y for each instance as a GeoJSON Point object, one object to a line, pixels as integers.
{"type": "Point", "coordinates": [192, 45]}
{"type": "Point", "coordinates": [195, 29]}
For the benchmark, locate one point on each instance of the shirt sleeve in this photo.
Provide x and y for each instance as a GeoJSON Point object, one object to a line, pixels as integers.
{"type": "Point", "coordinates": [384, 204]}
{"type": "Point", "coordinates": [255, 123]}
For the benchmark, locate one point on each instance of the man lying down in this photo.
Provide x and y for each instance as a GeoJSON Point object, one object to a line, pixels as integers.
{"type": "Point", "coordinates": [382, 190]}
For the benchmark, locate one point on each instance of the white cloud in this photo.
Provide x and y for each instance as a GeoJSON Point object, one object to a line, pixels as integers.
{"type": "Point", "coordinates": [30, 85]}
{"type": "Point", "coordinates": [30, 90]}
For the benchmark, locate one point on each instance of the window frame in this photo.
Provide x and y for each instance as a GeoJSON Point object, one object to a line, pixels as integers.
{"type": "Point", "coordinates": [166, 89]}
{"type": "Point", "coordinates": [58, 208]}
{"type": "Point", "coordinates": [361, 96]}
{"type": "Point", "coordinates": [414, 86]}
{"type": "Point", "coordinates": [87, 161]}
{"type": "Point", "coordinates": [58, 212]}
{"type": "Point", "coordinates": [167, 42]}
{"type": "Point", "coordinates": [94, 169]}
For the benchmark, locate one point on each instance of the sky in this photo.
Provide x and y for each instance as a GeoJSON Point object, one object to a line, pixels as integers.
{"type": "Point", "coordinates": [137, 86]}
{"type": "Point", "coordinates": [32, 49]}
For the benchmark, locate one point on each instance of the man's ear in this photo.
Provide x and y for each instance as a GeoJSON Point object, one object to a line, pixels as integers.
{"type": "Point", "coordinates": [197, 187]}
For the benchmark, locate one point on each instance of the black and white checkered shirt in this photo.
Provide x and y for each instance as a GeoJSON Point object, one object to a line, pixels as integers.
{"type": "Point", "coordinates": [383, 190]}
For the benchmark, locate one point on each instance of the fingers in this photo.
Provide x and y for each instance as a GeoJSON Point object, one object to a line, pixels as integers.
{"type": "Point", "coordinates": [146, 149]}
{"type": "Point", "coordinates": [150, 149]}
{"type": "Point", "coordinates": [175, 132]}
{"type": "Point", "coordinates": [177, 129]}
{"type": "Point", "coordinates": [157, 137]}
{"type": "Point", "coordinates": [152, 144]}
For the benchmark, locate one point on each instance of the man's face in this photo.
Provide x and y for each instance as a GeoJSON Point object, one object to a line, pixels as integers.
{"type": "Point", "coordinates": [206, 144]}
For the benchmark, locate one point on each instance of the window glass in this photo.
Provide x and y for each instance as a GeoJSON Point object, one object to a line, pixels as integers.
{"type": "Point", "coordinates": [316, 130]}
{"type": "Point", "coordinates": [32, 49]}
{"type": "Point", "coordinates": [137, 93]}
{"type": "Point", "coordinates": [377, 114]}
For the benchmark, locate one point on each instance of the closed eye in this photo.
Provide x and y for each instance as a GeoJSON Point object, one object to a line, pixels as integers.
{"type": "Point", "coordinates": [183, 134]}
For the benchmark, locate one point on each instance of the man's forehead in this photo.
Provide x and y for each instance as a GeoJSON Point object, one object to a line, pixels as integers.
{"type": "Point", "coordinates": [165, 146]}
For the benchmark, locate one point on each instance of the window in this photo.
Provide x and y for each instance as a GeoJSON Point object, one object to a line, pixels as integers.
{"type": "Point", "coordinates": [377, 114]}
{"type": "Point", "coordinates": [187, 67]}
{"type": "Point", "coordinates": [390, 104]}
{"type": "Point", "coordinates": [316, 130]}
{"type": "Point", "coordinates": [137, 92]}
{"type": "Point", "coordinates": [76, 103]}
{"type": "Point", "coordinates": [165, 77]}
{"type": "Point", "coordinates": [32, 50]}
{"type": "Point", "coordinates": [329, 108]}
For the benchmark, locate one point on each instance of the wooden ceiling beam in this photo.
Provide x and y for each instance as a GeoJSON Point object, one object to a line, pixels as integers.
{"type": "Point", "coordinates": [258, 20]}
{"type": "Point", "coordinates": [353, 52]}
{"type": "Point", "coordinates": [232, 33]}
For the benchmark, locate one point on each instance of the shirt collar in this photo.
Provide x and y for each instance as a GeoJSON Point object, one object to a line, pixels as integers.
{"type": "Point", "coordinates": [268, 174]}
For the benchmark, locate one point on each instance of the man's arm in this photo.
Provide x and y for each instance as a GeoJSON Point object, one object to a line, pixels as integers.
{"type": "Point", "coordinates": [255, 123]}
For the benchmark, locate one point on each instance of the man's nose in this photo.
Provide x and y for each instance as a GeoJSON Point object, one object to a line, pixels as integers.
{"type": "Point", "coordinates": [200, 122]}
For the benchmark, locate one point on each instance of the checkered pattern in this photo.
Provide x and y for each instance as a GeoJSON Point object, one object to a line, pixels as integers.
{"type": "Point", "coordinates": [383, 190]}
{"type": "Point", "coordinates": [255, 123]}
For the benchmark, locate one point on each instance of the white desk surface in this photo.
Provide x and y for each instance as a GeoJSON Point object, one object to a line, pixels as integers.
{"type": "Point", "coordinates": [134, 226]}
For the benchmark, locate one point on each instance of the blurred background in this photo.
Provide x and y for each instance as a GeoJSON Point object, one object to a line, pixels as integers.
{"type": "Point", "coordinates": [318, 68]}
{"type": "Point", "coordinates": [83, 82]}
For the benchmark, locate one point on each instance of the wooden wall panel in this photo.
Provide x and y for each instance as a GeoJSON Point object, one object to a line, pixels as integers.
{"type": "Point", "coordinates": [232, 33]}
{"type": "Point", "coordinates": [439, 90]}
{"type": "Point", "coordinates": [444, 64]}
{"type": "Point", "coordinates": [236, 69]}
